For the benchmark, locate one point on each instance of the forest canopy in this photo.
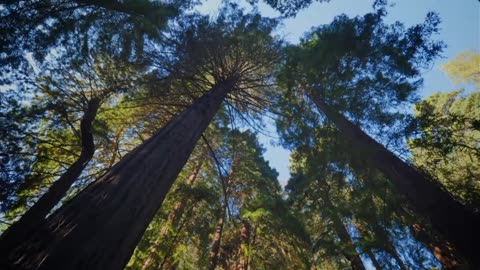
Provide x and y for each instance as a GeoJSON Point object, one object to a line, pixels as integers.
{"type": "Point", "coordinates": [130, 139]}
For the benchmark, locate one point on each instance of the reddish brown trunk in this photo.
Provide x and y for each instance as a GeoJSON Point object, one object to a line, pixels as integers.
{"type": "Point", "coordinates": [454, 221]}
{"type": "Point", "coordinates": [245, 232]}
{"type": "Point", "coordinates": [59, 188]}
{"type": "Point", "coordinates": [100, 227]}
{"type": "Point", "coordinates": [217, 239]}
{"type": "Point", "coordinates": [442, 250]}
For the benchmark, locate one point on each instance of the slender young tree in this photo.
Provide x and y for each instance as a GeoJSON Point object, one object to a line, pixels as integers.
{"type": "Point", "coordinates": [82, 87]}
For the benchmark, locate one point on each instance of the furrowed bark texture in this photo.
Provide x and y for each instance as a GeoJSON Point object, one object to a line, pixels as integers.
{"type": "Point", "coordinates": [100, 227]}
{"type": "Point", "coordinates": [458, 224]}
{"type": "Point", "coordinates": [60, 187]}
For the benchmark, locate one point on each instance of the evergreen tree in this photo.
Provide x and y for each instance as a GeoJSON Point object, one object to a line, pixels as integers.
{"type": "Point", "coordinates": [232, 56]}
{"type": "Point", "coordinates": [359, 72]}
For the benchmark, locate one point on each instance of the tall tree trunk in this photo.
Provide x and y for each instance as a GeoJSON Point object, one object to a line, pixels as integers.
{"type": "Point", "coordinates": [393, 252]}
{"type": "Point", "coordinates": [217, 240]}
{"type": "Point", "coordinates": [364, 233]}
{"type": "Point", "coordinates": [37, 213]}
{"type": "Point", "coordinates": [172, 222]}
{"type": "Point", "coordinates": [372, 257]}
{"type": "Point", "coordinates": [245, 232]}
{"type": "Point", "coordinates": [100, 227]}
{"type": "Point", "coordinates": [454, 221]}
{"type": "Point", "coordinates": [351, 253]}
{"type": "Point", "coordinates": [441, 249]}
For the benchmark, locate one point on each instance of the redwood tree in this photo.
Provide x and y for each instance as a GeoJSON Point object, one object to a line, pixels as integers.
{"type": "Point", "coordinates": [362, 72]}
{"type": "Point", "coordinates": [231, 57]}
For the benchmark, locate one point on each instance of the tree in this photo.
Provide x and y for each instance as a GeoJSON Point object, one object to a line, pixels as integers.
{"type": "Point", "coordinates": [288, 8]}
{"type": "Point", "coordinates": [254, 229]}
{"type": "Point", "coordinates": [76, 91]}
{"type": "Point", "coordinates": [361, 68]}
{"type": "Point", "coordinates": [37, 26]}
{"type": "Point", "coordinates": [349, 210]}
{"type": "Point", "coordinates": [447, 145]}
{"type": "Point", "coordinates": [33, 30]}
{"type": "Point", "coordinates": [464, 68]}
{"type": "Point", "coordinates": [235, 58]}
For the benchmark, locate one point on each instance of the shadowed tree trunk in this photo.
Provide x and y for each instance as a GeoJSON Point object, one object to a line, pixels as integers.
{"type": "Point", "coordinates": [100, 227]}
{"type": "Point", "coordinates": [454, 221]}
{"type": "Point", "coordinates": [372, 257]}
{"type": "Point", "coordinates": [351, 253]}
{"type": "Point", "coordinates": [442, 250]}
{"type": "Point", "coordinates": [361, 228]}
{"type": "Point", "coordinates": [172, 222]}
{"type": "Point", "coordinates": [60, 187]}
{"type": "Point", "coordinates": [245, 232]}
{"type": "Point", "coordinates": [217, 238]}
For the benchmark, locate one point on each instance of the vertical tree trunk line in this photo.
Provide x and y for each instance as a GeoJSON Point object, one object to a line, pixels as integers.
{"type": "Point", "coordinates": [166, 261]}
{"type": "Point", "coordinates": [60, 187]}
{"type": "Point", "coordinates": [217, 240]}
{"type": "Point", "coordinates": [373, 258]}
{"type": "Point", "coordinates": [245, 233]}
{"type": "Point", "coordinates": [351, 253]}
{"type": "Point", "coordinates": [217, 236]}
{"type": "Point", "coordinates": [453, 220]}
{"type": "Point", "coordinates": [116, 209]}
{"type": "Point", "coordinates": [361, 228]}
{"type": "Point", "coordinates": [171, 222]}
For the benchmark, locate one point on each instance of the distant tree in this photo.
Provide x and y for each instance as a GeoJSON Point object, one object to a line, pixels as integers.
{"type": "Point", "coordinates": [288, 8]}
{"type": "Point", "coordinates": [464, 68]}
{"type": "Point", "coordinates": [37, 26]}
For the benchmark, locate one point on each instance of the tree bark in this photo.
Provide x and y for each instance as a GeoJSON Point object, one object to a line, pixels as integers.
{"type": "Point", "coordinates": [442, 250]}
{"type": "Point", "coordinates": [100, 227]}
{"type": "Point", "coordinates": [37, 213]}
{"type": "Point", "coordinates": [245, 233]}
{"type": "Point", "coordinates": [217, 241]}
{"type": "Point", "coordinates": [458, 224]}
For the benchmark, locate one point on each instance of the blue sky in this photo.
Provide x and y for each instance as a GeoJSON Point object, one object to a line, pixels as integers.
{"type": "Point", "coordinates": [460, 30]}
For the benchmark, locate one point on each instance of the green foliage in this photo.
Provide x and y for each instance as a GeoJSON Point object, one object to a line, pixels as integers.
{"type": "Point", "coordinates": [464, 68]}
{"type": "Point", "coordinates": [368, 71]}
{"type": "Point", "coordinates": [288, 8]}
{"type": "Point", "coordinates": [335, 205]}
{"type": "Point", "coordinates": [448, 144]}
{"type": "Point", "coordinates": [39, 25]}
{"type": "Point", "coordinates": [364, 68]}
